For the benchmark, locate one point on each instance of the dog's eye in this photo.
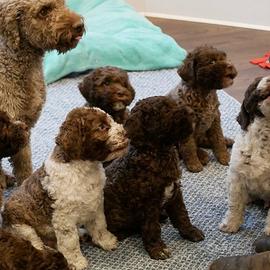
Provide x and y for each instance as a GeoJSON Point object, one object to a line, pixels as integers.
{"type": "Point", "coordinates": [106, 82]}
{"type": "Point", "coordinates": [120, 94]}
{"type": "Point", "coordinates": [45, 11]}
{"type": "Point", "coordinates": [103, 127]}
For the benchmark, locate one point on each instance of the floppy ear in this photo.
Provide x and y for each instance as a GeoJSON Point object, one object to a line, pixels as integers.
{"type": "Point", "coordinates": [86, 87]}
{"type": "Point", "coordinates": [134, 129]}
{"type": "Point", "coordinates": [186, 71]}
{"type": "Point", "coordinates": [69, 139]}
{"type": "Point", "coordinates": [4, 117]}
{"type": "Point", "coordinates": [249, 107]}
{"type": "Point", "coordinates": [183, 120]}
{"type": "Point", "coordinates": [9, 23]}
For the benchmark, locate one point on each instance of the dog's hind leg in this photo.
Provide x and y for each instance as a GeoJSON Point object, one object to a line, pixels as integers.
{"type": "Point", "coordinates": [267, 224]}
{"type": "Point", "coordinates": [188, 152]}
{"type": "Point", "coordinates": [205, 143]}
{"type": "Point", "coordinates": [5, 179]}
{"type": "Point", "coordinates": [178, 215]}
{"type": "Point", "coordinates": [218, 143]}
{"type": "Point", "coordinates": [22, 164]}
{"type": "Point", "coordinates": [28, 233]}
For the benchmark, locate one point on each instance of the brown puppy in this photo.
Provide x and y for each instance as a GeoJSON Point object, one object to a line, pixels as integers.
{"type": "Point", "coordinates": [146, 180]}
{"type": "Point", "coordinates": [14, 135]}
{"type": "Point", "coordinates": [250, 262]}
{"type": "Point", "coordinates": [67, 191]}
{"type": "Point", "coordinates": [108, 88]}
{"type": "Point", "coordinates": [28, 29]}
{"type": "Point", "coordinates": [204, 71]}
{"type": "Point", "coordinates": [19, 254]}
{"type": "Point", "coordinates": [16, 253]}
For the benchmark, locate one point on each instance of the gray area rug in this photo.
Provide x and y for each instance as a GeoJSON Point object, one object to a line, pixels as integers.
{"type": "Point", "coordinates": [205, 192]}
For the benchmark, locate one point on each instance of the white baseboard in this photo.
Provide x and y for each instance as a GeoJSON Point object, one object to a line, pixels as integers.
{"type": "Point", "coordinates": [203, 20]}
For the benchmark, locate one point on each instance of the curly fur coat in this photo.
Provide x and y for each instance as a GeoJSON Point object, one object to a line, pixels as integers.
{"type": "Point", "coordinates": [146, 180]}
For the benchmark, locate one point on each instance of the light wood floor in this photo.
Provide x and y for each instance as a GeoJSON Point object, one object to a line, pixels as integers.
{"type": "Point", "coordinates": [240, 44]}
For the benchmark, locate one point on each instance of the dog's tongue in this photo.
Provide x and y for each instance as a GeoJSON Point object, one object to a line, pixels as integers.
{"type": "Point", "coordinates": [78, 38]}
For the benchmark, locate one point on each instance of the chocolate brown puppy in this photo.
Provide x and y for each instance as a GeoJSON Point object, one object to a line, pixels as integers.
{"type": "Point", "coordinates": [108, 88]}
{"type": "Point", "coordinates": [146, 180]}
{"type": "Point", "coordinates": [204, 71]}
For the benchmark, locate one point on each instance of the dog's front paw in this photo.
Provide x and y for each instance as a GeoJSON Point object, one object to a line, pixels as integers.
{"type": "Point", "coordinates": [159, 252]}
{"type": "Point", "coordinates": [193, 234]}
{"type": "Point", "coordinates": [203, 156]}
{"type": "Point", "coordinates": [194, 167]}
{"type": "Point", "coordinates": [107, 241]}
{"type": "Point", "coordinates": [223, 158]}
{"type": "Point", "coordinates": [229, 227]}
{"type": "Point", "coordinates": [80, 264]}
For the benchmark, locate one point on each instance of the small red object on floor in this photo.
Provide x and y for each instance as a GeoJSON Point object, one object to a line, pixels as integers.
{"type": "Point", "coordinates": [263, 62]}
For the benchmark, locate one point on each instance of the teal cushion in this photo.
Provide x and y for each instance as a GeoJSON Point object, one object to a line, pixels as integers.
{"type": "Point", "coordinates": [116, 35]}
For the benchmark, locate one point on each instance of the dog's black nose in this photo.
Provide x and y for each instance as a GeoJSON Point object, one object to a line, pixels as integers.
{"type": "Point", "coordinates": [78, 28]}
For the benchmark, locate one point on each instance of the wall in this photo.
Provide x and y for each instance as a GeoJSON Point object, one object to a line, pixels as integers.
{"type": "Point", "coordinates": [137, 4]}
{"type": "Point", "coordinates": [246, 13]}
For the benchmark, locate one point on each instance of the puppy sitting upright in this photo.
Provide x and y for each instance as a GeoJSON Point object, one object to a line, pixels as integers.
{"type": "Point", "coordinates": [108, 88]}
{"type": "Point", "coordinates": [146, 180]}
{"type": "Point", "coordinates": [204, 71]}
{"type": "Point", "coordinates": [68, 189]}
{"type": "Point", "coordinates": [14, 135]}
{"type": "Point", "coordinates": [249, 172]}
{"type": "Point", "coordinates": [16, 253]}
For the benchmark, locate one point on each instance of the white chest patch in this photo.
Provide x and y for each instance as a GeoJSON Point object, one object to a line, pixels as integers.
{"type": "Point", "coordinates": [168, 192]}
{"type": "Point", "coordinates": [76, 187]}
{"type": "Point", "coordinates": [250, 158]}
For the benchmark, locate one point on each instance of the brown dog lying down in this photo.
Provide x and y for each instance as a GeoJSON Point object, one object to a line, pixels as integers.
{"type": "Point", "coordinates": [262, 244]}
{"type": "Point", "coordinates": [19, 254]}
{"type": "Point", "coordinates": [109, 89]}
{"type": "Point", "coordinates": [14, 135]}
{"type": "Point", "coordinates": [147, 179]}
{"type": "Point", "coordinates": [250, 262]}
{"type": "Point", "coordinates": [16, 253]}
{"type": "Point", "coordinates": [204, 71]}
{"type": "Point", "coordinates": [67, 191]}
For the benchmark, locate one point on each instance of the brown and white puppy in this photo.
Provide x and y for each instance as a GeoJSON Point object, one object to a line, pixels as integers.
{"type": "Point", "coordinates": [108, 88]}
{"type": "Point", "coordinates": [67, 191]}
{"type": "Point", "coordinates": [204, 71]}
{"type": "Point", "coordinates": [249, 171]}
{"type": "Point", "coordinates": [146, 181]}
{"type": "Point", "coordinates": [14, 135]}
{"type": "Point", "coordinates": [28, 29]}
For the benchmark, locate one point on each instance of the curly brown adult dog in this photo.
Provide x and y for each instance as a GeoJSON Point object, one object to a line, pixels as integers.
{"type": "Point", "coordinates": [108, 88]}
{"type": "Point", "coordinates": [146, 180]}
{"type": "Point", "coordinates": [205, 70]}
{"type": "Point", "coordinates": [29, 28]}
